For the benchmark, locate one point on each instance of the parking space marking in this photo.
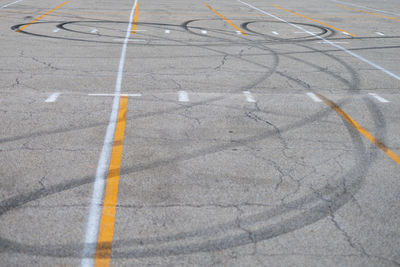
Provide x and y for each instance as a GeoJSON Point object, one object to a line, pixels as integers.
{"type": "Point", "coordinates": [317, 21]}
{"type": "Point", "coordinates": [95, 210]}
{"type": "Point", "coordinates": [379, 98]}
{"type": "Point", "coordinates": [314, 97]}
{"type": "Point", "coordinates": [134, 24]}
{"type": "Point", "coordinates": [107, 222]}
{"type": "Point", "coordinates": [397, 77]}
{"type": "Point", "coordinates": [369, 13]}
{"type": "Point", "coordinates": [114, 94]}
{"type": "Point", "coordinates": [227, 20]}
{"type": "Point", "coordinates": [52, 98]}
{"type": "Point", "coordinates": [183, 96]}
{"type": "Point", "coordinates": [249, 97]}
{"type": "Point", "coordinates": [363, 131]}
{"type": "Point", "coordinates": [7, 5]}
{"type": "Point", "coordinates": [42, 16]}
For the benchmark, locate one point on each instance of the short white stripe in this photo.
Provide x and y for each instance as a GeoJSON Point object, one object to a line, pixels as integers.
{"type": "Point", "coordinates": [167, 31]}
{"type": "Point", "coordinates": [329, 42]}
{"type": "Point", "coordinates": [380, 99]}
{"type": "Point", "coordinates": [204, 32]}
{"type": "Point", "coordinates": [249, 97]}
{"type": "Point", "coordinates": [274, 32]}
{"type": "Point", "coordinates": [183, 96]}
{"type": "Point", "coordinates": [52, 98]}
{"type": "Point", "coordinates": [314, 97]}
{"type": "Point", "coordinates": [379, 33]}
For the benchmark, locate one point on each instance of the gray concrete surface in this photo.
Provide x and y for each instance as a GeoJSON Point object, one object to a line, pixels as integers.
{"type": "Point", "coordinates": [216, 180]}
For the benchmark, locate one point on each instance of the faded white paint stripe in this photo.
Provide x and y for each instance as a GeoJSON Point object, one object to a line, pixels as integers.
{"type": "Point", "coordinates": [7, 5]}
{"type": "Point", "coordinates": [52, 98]}
{"type": "Point", "coordinates": [397, 77]}
{"type": "Point", "coordinates": [183, 96]}
{"type": "Point", "coordinates": [114, 94]}
{"type": "Point", "coordinates": [92, 227]}
{"type": "Point", "coordinates": [370, 8]}
{"type": "Point", "coordinates": [314, 97]}
{"type": "Point", "coordinates": [379, 98]}
{"type": "Point", "coordinates": [249, 97]}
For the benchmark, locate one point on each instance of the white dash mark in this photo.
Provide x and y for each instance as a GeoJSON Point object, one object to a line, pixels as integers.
{"type": "Point", "coordinates": [167, 31]}
{"type": "Point", "coordinates": [314, 97]}
{"type": "Point", "coordinates": [56, 30]}
{"type": "Point", "coordinates": [52, 98]}
{"type": "Point", "coordinates": [325, 42]}
{"type": "Point", "coordinates": [183, 96]}
{"type": "Point", "coordinates": [204, 32]}
{"type": "Point", "coordinates": [276, 33]}
{"type": "Point", "coordinates": [380, 99]}
{"type": "Point", "coordinates": [130, 40]}
{"type": "Point", "coordinates": [249, 97]}
{"type": "Point", "coordinates": [114, 94]}
{"type": "Point", "coordinates": [346, 33]}
{"type": "Point", "coordinates": [379, 33]}
{"type": "Point", "coordinates": [94, 31]}
{"type": "Point", "coordinates": [238, 32]}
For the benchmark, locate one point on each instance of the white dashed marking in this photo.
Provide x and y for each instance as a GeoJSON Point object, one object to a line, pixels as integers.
{"type": "Point", "coordinates": [249, 97]}
{"type": "Point", "coordinates": [314, 97]}
{"type": "Point", "coordinates": [183, 96]}
{"type": "Point", "coordinates": [52, 98]}
{"type": "Point", "coordinates": [380, 99]}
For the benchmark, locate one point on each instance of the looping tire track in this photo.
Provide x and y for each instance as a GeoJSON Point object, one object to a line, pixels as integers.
{"type": "Point", "coordinates": [318, 205]}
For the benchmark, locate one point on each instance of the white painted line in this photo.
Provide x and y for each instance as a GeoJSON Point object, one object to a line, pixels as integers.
{"type": "Point", "coordinates": [114, 94]}
{"type": "Point", "coordinates": [56, 30]}
{"type": "Point", "coordinates": [167, 31]}
{"type": "Point", "coordinates": [94, 31]}
{"type": "Point", "coordinates": [380, 99]}
{"type": "Point", "coordinates": [96, 203]}
{"type": "Point", "coordinates": [7, 5]}
{"type": "Point", "coordinates": [203, 32]}
{"type": "Point", "coordinates": [52, 98]}
{"type": "Point", "coordinates": [130, 40]}
{"type": "Point", "coordinates": [397, 77]}
{"type": "Point", "coordinates": [379, 33]}
{"type": "Point", "coordinates": [274, 32]}
{"type": "Point", "coordinates": [183, 96]}
{"type": "Point", "coordinates": [350, 4]}
{"type": "Point", "coordinates": [238, 32]}
{"type": "Point", "coordinates": [314, 97]}
{"type": "Point", "coordinates": [249, 97]}
{"type": "Point", "coordinates": [324, 42]}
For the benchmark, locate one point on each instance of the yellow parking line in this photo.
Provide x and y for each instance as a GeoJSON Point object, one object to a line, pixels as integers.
{"type": "Point", "coordinates": [42, 16]}
{"type": "Point", "coordinates": [370, 13]}
{"type": "Point", "coordinates": [227, 20]}
{"type": "Point", "coordinates": [359, 128]}
{"type": "Point", "coordinates": [134, 24]}
{"type": "Point", "coordinates": [345, 32]}
{"type": "Point", "coordinates": [107, 221]}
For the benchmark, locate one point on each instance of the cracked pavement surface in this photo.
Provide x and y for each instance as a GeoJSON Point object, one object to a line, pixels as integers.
{"type": "Point", "coordinates": [215, 180]}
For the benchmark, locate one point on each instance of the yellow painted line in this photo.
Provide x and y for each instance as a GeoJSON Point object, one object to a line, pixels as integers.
{"type": "Point", "coordinates": [317, 21]}
{"type": "Point", "coordinates": [370, 13]}
{"type": "Point", "coordinates": [227, 20]}
{"type": "Point", "coordinates": [107, 221]}
{"type": "Point", "coordinates": [134, 24]}
{"type": "Point", "coordinates": [42, 16]}
{"type": "Point", "coordinates": [359, 128]}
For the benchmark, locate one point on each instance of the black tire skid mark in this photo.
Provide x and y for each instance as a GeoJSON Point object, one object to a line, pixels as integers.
{"type": "Point", "coordinates": [262, 234]}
